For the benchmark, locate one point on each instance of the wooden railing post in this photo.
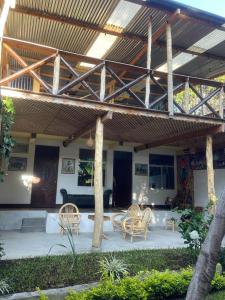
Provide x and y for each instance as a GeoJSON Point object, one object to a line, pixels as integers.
{"type": "Point", "coordinates": [98, 185]}
{"type": "Point", "coordinates": [148, 78]}
{"type": "Point", "coordinates": [221, 103]}
{"type": "Point", "coordinates": [56, 75]}
{"type": "Point", "coordinates": [102, 83]}
{"type": "Point", "coordinates": [186, 96]}
{"type": "Point", "coordinates": [169, 68]}
{"type": "Point", "coordinates": [210, 170]}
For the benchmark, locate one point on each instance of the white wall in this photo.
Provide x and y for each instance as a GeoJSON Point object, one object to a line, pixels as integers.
{"type": "Point", "coordinates": [200, 186]}
{"type": "Point", "coordinates": [13, 191]}
{"type": "Point", "coordinates": [141, 190]}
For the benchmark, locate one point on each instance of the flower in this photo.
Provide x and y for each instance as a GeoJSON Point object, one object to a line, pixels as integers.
{"type": "Point", "coordinates": [194, 235]}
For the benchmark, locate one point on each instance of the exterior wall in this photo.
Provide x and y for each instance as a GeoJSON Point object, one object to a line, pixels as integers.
{"type": "Point", "coordinates": [13, 190]}
{"type": "Point", "coordinates": [141, 190]}
{"type": "Point", "coordinates": [200, 186]}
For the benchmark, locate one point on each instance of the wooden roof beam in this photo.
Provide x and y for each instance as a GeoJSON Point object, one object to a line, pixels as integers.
{"type": "Point", "coordinates": [86, 129]}
{"type": "Point", "coordinates": [184, 136]}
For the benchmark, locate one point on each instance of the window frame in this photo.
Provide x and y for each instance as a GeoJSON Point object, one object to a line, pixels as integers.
{"type": "Point", "coordinates": [92, 161]}
{"type": "Point", "coordinates": [161, 167]}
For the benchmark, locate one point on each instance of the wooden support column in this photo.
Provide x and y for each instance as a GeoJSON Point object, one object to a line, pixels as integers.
{"type": "Point", "coordinates": [210, 171]}
{"type": "Point", "coordinates": [36, 84]}
{"type": "Point", "coordinates": [221, 103]}
{"type": "Point", "coordinates": [98, 185]}
{"type": "Point", "coordinates": [56, 75]}
{"type": "Point", "coordinates": [186, 96]}
{"type": "Point", "coordinates": [3, 19]}
{"type": "Point", "coordinates": [170, 68]}
{"type": "Point", "coordinates": [148, 78]}
{"type": "Point", "coordinates": [102, 83]}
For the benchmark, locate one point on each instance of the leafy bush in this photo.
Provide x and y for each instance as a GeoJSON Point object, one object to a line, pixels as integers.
{"type": "Point", "coordinates": [55, 271]}
{"type": "Point", "coordinates": [153, 285]}
{"type": "Point", "coordinates": [194, 226]}
{"type": "Point", "coordinates": [42, 296]}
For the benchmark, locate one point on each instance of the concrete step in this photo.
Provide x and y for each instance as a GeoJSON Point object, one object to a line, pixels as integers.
{"type": "Point", "coordinates": [33, 225]}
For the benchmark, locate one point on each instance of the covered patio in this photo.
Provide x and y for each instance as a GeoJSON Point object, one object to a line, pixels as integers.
{"type": "Point", "coordinates": [22, 245]}
{"type": "Point", "coordinates": [64, 96]}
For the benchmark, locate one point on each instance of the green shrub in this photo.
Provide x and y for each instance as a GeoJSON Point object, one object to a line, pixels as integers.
{"type": "Point", "coordinates": [153, 285]}
{"type": "Point", "coordinates": [194, 226]}
{"type": "Point", "coordinates": [55, 271]}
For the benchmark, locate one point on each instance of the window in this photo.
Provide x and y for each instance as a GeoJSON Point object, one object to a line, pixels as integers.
{"type": "Point", "coordinates": [86, 167]}
{"type": "Point", "coordinates": [161, 171]}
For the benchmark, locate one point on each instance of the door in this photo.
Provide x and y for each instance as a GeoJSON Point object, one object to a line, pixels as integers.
{"type": "Point", "coordinates": [122, 178]}
{"type": "Point", "coordinates": [46, 169]}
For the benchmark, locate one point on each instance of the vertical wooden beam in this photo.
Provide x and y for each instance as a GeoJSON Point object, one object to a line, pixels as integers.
{"type": "Point", "coordinates": [221, 103]}
{"type": "Point", "coordinates": [210, 170]}
{"type": "Point", "coordinates": [56, 75]}
{"type": "Point", "coordinates": [5, 64]}
{"type": "Point", "coordinates": [3, 19]}
{"type": "Point", "coordinates": [169, 68]}
{"type": "Point", "coordinates": [186, 96]}
{"type": "Point", "coordinates": [148, 78]}
{"type": "Point", "coordinates": [102, 83]}
{"type": "Point", "coordinates": [98, 185]}
{"type": "Point", "coordinates": [36, 84]}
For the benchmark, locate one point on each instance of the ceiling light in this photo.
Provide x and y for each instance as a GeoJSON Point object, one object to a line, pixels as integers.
{"type": "Point", "coordinates": [90, 141]}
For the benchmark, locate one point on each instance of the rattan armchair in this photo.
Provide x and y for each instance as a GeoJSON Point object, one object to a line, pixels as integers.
{"type": "Point", "coordinates": [69, 217]}
{"type": "Point", "coordinates": [118, 218]}
{"type": "Point", "coordinates": [137, 226]}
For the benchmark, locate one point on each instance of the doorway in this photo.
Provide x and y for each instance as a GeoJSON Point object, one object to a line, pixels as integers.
{"type": "Point", "coordinates": [122, 179]}
{"type": "Point", "coordinates": [46, 169]}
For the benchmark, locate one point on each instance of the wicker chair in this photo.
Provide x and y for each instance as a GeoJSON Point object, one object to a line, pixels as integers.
{"type": "Point", "coordinates": [69, 217]}
{"type": "Point", "coordinates": [137, 226]}
{"type": "Point", "coordinates": [118, 218]}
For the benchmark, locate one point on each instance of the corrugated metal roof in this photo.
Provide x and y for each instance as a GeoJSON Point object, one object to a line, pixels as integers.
{"type": "Point", "coordinates": [77, 39]}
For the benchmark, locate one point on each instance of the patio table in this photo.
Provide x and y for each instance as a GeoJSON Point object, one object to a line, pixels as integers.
{"type": "Point", "coordinates": [105, 218]}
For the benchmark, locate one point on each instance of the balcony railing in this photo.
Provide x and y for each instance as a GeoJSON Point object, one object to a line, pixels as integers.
{"type": "Point", "coordinates": [109, 83]}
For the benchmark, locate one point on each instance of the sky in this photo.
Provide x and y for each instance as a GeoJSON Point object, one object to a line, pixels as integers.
{"type": "Point", "coordinates": [213, 6]}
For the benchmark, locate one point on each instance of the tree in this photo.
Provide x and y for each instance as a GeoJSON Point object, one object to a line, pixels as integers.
{"type": "Point", "coordinates": [209, 255]}
{"type": "Point", "coordinates": [7, 113]}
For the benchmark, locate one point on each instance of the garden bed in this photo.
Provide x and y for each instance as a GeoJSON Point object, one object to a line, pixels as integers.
{"type": "Point", "coordinates": [55, 271]}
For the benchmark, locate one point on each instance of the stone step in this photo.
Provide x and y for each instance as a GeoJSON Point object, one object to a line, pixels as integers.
{"type": "Point", "coordinates": [33, 225]}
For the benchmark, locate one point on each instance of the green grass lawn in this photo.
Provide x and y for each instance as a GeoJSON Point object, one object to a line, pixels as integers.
{"type": "Point", "coordinates": [55, 271]}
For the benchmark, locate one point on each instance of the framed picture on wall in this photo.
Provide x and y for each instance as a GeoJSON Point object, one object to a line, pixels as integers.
{"type": "Point", "coordinates": [68, 166]}
{"type": "Point", "coordinates": [17, 164]}
{"type": "Point", "coordinates": [141, 169]}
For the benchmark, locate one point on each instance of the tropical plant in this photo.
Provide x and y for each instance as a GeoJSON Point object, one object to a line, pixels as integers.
{"type": "Point", "coordinates": [4, 287]}
{"type": "Point", "coordinates": [69, 234]}
{"type": "Point", "coordinates": [194, 226]}
{"type": "Point", "coordinates": [2, 252]}
{"type": "Point", "coordinates": [7, 113]}
{"type": "Point", "coordinates": [113, 268]}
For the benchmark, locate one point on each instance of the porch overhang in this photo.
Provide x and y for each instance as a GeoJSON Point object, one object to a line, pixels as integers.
{"type": "Point", "coordinates": [63, 116]}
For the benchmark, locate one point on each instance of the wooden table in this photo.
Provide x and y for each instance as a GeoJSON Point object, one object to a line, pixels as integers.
{"type": "Point", "coordinates": [105, 218]}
